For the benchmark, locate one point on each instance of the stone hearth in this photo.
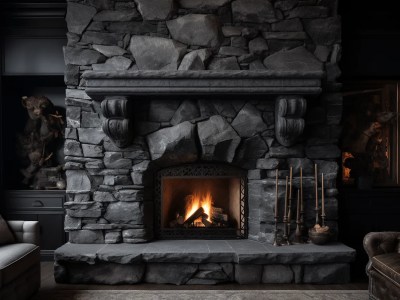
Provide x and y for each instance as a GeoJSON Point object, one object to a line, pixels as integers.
{"type": "Point", "coordinates": [157, 84]}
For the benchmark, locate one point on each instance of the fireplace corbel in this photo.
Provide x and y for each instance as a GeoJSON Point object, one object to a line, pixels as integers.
{"type": "Point", "coordinates": [116, 88]}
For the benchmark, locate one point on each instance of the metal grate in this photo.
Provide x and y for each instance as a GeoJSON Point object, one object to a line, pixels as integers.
{"type": "Point", "coordinates": [202, 170]}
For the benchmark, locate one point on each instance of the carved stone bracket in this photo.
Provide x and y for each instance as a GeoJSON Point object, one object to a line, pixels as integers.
{"type": "Point", "coordinates": [117, 125]}
{"type": "Point", "coordinates": [289, 122]}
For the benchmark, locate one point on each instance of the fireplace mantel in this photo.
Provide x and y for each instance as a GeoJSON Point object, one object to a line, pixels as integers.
{"type": "Point", "coordinates": [116, 89]}
{"type": "Point", "coordinates": [129, 83]}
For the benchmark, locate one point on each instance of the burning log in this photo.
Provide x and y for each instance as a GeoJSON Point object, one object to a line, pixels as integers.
{"type": "Point", "coordinates": [204, 220]}
{"type": "Point", "coordinates": [197, 214]}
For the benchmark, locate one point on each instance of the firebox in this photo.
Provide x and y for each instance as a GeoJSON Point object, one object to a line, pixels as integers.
{"type": "Point", "coordinates": [201, 201]}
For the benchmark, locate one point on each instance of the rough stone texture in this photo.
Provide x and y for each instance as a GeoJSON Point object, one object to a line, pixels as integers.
{"type": "Point", "coordinates": [269, 163]}
{"type": "Point", "coordinates": [153, 10]}
{"type": "Point", "coordinates": [248, 274]}
{"type": "Point", "coordinates": [102, 38]}
{"type": "Point", "coordinates": [162, 111]}
{"type": "Point", "coordinates": [71, 223]}
{"type": "Point", "coordinates": [174, 144]}
{"type": "Point", "coordinates": [90, 120]}
{"type": "Point", "coordinates": [286, 152]}
{"type": "Point", "coordinates": [113, 63]}
{"type": "Point", "coordinates": [277, 274]}
{"type": "Point", "coordinates": [187, 111]}
{"type": "Point", "coordinates": [195, 30]}
{"type": "Point", "coordinates": [72, 147]}
{"type": "Point", "coordinates": [103, 197]}
{"type": "Point", "coordinates": [78, 17]}
{"type": "Point", "coordinates": [117, 15]}
{"type": "Point", "coordinates": [258, 46]}
{"type": "Point", "coordinates": [248, 121]}
{"type": "Point", "coordinates": [104, 273]}
{"type": "Point", "coordinates": [191, 61]}
{"type": "Point", "coordinates": [169, 273]}
{"type": "Point", "coordinates": [109, 51]}
{"type": "Point", "coordinates": [258, 11]}
{"type": "Point", "coordinates": [124, 212]}
{"type": "Point", "coordinates": [155, 53]}
{"type": "Point", "coordinates": [327, 274]}
{"type": "Point", "coordinates": [115, 160]}
{"type": "Point", "coordinates": [291, 25]}
{"type": "Point", "coordinates": [71, 75]}
{"type": "Point", "coordinates": [134, 236]}
{"type": "Point", "coordinates": [129, 195]}
{"type": "Point", "coordinates": [77, 56]}
{"type": "Point", "coordinates": [203, 4]}
{"type": "Point", "coordinates": [298, 59]}
{"type": "Point", "coordinates": [326, 31]}
{"type": "Point", "coordinates": [112, 237]}
{"type": "Point", "coordinates": [249, 151]}
{"type": "Point", "coordinates": [218, 140]}
{"type": "Point", "coordinates": [229, 63]}
{"type": "Point", "coordinates": [86, 237]}
{"type": "Point", "coordinates": [77, 181]}
{"type": "Point", "coordinates": [92, 150]}
{"type": "Point", "coordinates": [309, 12]}
{"type": "Point", "coordinates": [91, 135]}
{"type": "Point", "coordinates": [285, 35]}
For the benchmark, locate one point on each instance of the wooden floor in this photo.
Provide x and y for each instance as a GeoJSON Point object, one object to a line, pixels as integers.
{"type": "Point", "coordinates": [48, 284]}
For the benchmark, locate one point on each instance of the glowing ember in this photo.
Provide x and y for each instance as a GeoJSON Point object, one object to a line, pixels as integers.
{"type": "Point", "coordinates": [197, 200]}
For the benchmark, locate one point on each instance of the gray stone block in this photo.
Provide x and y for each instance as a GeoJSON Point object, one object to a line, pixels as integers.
{"type": "Point", "coordinates": [327, 273]}
{"type": "Point", "coordinates": [298, 59]}
{"type": "Point", "coordinates": [112, 237]}
{"type": "Point", "coordinates": [308, 12]}
{"type": "Point", "coordinates": [100, 196]}
{"type": "Point", "coordinates": [218, 140]}
{"type": "Point", "coordinates": [218, 275]}
{"type": "Point", "coordinates": [155, 53]}
{"type": "Point", "coordinates": [292, 25]}
{"type": "Point", "coordinates": [248, 274]}
{"type": "Point", "coordinates": [71, 75]}
{"type": "Point", "coordinates": [73, 148]}
{"type": "Point", "coordinates": [174, 144]}
{"type": "Point", "coordinates": [105, 273]}
{"type": "Point", "coordinates": [286, 152]}
{"type": "Point", "coordinates": [117, 15]}
{"type": "Point", "coordinates": [196, 30]}
{"type": "Point", "coordinates": [249, 121]}
{"type": "Point", "coordinates": [70, 133]}
{"type": "Point", "coordinates": [77, 181]}
{"type": "Point", "coordinates": [277, 274]}
{"type": "Point", "coordinates": [188, 110]}
{"type": "Point", "coordinates": [326, 31]}
{"type": "Point", "coordinates": [169, 273]}
{"type": "Point", "coordinates": [92, 136]}
{"type": "Point", "coordinates": [78, 17]}
{"type": "Point", "coordinates": [115, 160]}
{"type": "Point", "coordinates": [269, 163]}
{"type": "Point", "coordinates": [323, 152]}
{"type": "Point", "coordinates": [134, 236]}
{"type": "Point", "coordinates": [71, 223]}
{"type": "Point", "coordinates": [229, 63]}
{"type": "Point", "coordinates": [86, 237]}
{"type": "Point", "coordinates": [90, 120]}
{"type": "Point", "coordinates": [92, 150]}
{"type": "Point", "coordinates": [306, 164]}
{"type": "Point", "coordinates": [249, 151]}
{"type": "Point", "coordinates": [202, 4]}
{"type": "Point", "coordinates": [129, 195]}
{"type": "Point", "coordinates": [154, 10]}
{"type": "Point", "coordinates": [162, 111]}
{"type": "Point", "coordinates": [231, 51]}
{"type": "Point", "coordinates": [124, 212]}
{"type": "Point", "coordinates": [229, 31]}
{"type": "Point", "coordinates": [101, 38]}
{"type": "Point", "coordinates": [109, 51]}
{"type": "Point", "coordinates": [253, 11]}
{"type": "Point", "coordinates": [73, 115]}
{"type": "Point", "coordinates": [258, 46]}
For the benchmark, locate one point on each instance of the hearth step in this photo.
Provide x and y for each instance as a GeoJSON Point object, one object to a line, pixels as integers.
{"type": "Point", "coordinates": [203, 262]}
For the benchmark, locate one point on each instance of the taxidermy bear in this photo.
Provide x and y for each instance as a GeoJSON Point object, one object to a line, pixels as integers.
{"type": "Point", "coordinates": [41, 137]}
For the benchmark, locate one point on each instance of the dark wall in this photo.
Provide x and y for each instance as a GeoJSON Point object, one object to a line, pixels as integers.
{"type": "Point", "coordinates": [371, 38]}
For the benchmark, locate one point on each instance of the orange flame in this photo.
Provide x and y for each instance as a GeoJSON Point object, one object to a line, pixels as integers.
{"type": "Point", "coordinates": [197, 200]}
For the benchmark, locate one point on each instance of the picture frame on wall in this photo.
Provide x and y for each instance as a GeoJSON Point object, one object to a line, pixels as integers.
{"type": "Point", "coordinates": [370, 139]}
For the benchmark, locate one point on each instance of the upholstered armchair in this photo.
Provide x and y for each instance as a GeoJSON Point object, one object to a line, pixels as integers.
{"type": "Point", "coordinates": [383, 269]}
{"type": "Point", "coordinates": [20, 261]}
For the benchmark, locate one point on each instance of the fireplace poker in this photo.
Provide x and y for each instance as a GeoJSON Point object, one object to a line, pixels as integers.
{"type": "Point", "coordinates": [285, 216]}
{"type": "Point", "coordinates": [316, 196]}
{"type": "Point", "coordinates": [323, 216]}
{"type": "Point", "coordinates": [289, 213]}
{"type": "Point", "coordinates": [301, 202]}
{"type": "Point", "coordinates": [298, 234]}
{"type": "Point", "coordinates": [276, 212]}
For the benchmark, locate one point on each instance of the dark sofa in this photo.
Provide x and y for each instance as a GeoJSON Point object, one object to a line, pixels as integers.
{"type": "Point", "coordinates": [20, 262]}
{"type": "Point", "coordinates": [383, 269]}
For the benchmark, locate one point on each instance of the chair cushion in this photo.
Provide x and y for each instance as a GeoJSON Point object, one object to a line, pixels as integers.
{"type": "Point", "coordinates": [388, 264]}
{"type": "Point", "coordinates": [16, 259]}
{"type": "Point", "coordinates": [6, 236]}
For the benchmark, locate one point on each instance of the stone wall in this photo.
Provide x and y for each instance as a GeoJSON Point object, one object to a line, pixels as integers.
{"type": "Point", "coordinates": [110, 190]}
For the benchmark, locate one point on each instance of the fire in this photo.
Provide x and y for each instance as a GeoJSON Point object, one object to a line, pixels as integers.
{"type": "Point", "coordinates": [197, 200]}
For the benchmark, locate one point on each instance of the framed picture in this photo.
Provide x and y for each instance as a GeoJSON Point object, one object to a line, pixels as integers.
{"type": "Point", "coordinates": [370, 138]}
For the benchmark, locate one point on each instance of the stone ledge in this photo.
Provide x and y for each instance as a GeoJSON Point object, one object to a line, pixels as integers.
{"type": "Point", "coordinates": [206, 251]}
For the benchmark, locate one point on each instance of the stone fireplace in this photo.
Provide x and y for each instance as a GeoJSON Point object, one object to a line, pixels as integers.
{"type": "Point", "coordinates": [178, 114]}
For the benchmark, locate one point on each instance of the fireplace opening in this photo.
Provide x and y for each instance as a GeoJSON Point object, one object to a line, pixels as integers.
{"type": "Point", "coordinates": [201, 201]}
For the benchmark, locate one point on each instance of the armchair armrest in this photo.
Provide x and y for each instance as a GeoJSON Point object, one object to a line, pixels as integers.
{"type": "Point", "coordinates": [376, 243]}
{"type": "Point", "coordinates": [26, 231]}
